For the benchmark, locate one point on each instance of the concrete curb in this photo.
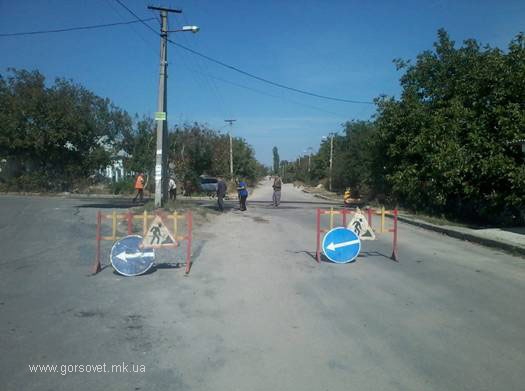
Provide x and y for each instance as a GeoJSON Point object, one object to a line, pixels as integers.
{"type": "Point", "coordinates": [509, 247]}
{"type": "Point", "coordinates": [505, 246]}
{"type": "Point", "coordinates": [320, 196]}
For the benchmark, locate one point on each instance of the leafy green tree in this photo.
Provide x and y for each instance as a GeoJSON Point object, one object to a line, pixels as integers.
{"type": "Point", "coordinates": [447, 143]}
{"type": "Point", "coordinates": [197, 150]}
{"type": "Point", "coordinates": [139, 143]}
{"type": "Point", "coordinates": [320, 162]}
{"type": "Point", "coordinates": [353, 158]}
{"type": "Point", "coordinates": [244, 162]}
{"type": "Point", "coordinates": [54, 136]}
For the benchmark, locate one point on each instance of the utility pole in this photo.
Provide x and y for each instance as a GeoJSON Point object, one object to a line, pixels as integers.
{"type": "Point", "coordinates": [331, 160]}
{"type": "Point", "coordinates": [231, 121]}
{"type": "Point", "coordinates": [309, 150]}
{"type": "Point", "coordinates": [161, 156]}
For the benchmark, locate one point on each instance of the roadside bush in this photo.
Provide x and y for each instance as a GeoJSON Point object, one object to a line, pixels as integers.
{"type": "Point", "coordinates": [125, 186]}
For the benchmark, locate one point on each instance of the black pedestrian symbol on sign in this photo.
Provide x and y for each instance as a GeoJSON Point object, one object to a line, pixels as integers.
{"type": "Point", "coordinates": [357, 227]}
{"type": "Point", "coordinates": [361, 227]}
{"type": "Point", "coordinates": [158, 234]}
{"type": "Point", "coordinates": [155, 230]}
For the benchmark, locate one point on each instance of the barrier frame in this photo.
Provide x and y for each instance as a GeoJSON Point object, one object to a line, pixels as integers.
{"type": "Point", "coordinates": [145, 217]}
{"type": "Point", "coordinates": [345, 212]}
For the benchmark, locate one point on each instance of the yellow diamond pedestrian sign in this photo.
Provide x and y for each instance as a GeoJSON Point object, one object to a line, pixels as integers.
{"type": "Point", "coordinates": [359, 224]}
{"type": "Point", "coordinates": [158, 235]}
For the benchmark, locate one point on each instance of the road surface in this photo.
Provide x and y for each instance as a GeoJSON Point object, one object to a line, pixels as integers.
{"type": "Point", "coordinates": [257, 312]}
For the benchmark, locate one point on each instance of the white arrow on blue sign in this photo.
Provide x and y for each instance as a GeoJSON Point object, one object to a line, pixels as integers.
{"type": "Point", "coordinates": [129, 259]}
{"type": "Point", "coordinates": [341, 245]}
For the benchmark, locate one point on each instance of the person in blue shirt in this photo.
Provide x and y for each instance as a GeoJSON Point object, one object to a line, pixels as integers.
{"type": "Point", "coordinates": [243, 194]}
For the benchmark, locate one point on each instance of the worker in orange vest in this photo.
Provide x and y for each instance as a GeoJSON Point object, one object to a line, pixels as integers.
{"type": "Point", "coordinates": [139, 186]}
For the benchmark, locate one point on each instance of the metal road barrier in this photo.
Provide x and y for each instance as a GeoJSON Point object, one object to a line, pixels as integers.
{"type": "Point", "coordinates": [347, 213]}
{"type": "Point", "coordinates": [146, 220]}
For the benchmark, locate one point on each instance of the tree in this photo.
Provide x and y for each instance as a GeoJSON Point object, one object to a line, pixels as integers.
{"type": "Point", "coordinates": [447, 142]}
{"type": "Point", "coordinates": [353, 158]}
{"type": "Point", "coordinates": [197, 150]}
{"type": "Point", "coordinates": [139, 142]}
{"type": "Point", "coordinates": [54, 136]}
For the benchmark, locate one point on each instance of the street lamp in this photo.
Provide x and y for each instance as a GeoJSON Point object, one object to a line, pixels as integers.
{"type": "Point", "coordinates": [161, 157]}
{"type": "Point", "coordinates": [191, 29]}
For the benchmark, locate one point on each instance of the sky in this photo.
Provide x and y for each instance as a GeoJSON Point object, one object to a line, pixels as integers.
{"type": "Point", "coordinates": [336, 48]}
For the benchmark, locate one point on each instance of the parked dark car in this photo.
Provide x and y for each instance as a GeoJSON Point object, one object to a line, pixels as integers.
{"type": "Point", "coordinates": [209, 186]}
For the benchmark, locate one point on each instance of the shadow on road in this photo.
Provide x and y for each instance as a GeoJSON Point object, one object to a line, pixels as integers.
{"type": "Point", "coordinates": [269, 202]}
{"type": "Point", "coordinates": [113, 204]}
{"type": "Point", "coordinates": [153, 269]}
{"type": "Point", "coordinates": [362, 254]}
{"type": "Point", "coordinates": [366, 254]}
{"type": "Point", "coordinates": [311, 254]}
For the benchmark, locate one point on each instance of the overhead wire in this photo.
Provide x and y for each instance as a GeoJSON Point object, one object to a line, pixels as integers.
{"type": "Point", "coordinates": [212, 86]}
{"type": "Point", "coordinates": [273, 95]}
{"type": "Point", "coordinates": [236, 69]}
{"type": "Point", "coordinates": [155, 14]}
{"type": "Point", "coordinates": [304, 92]}
{"type": "Point", "coordinates": [90, 27]}
{"type": "Point", "coordinates": [137, 17]}
{"type": "Point", "coordinates": [135, 31]}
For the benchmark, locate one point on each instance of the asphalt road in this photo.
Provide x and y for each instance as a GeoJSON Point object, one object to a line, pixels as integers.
{"type": "Point", "coordinates": [256, 312]}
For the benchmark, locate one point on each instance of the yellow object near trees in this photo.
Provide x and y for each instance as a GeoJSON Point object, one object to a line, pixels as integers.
{"type": "Point", "coordinates": [347, 195]}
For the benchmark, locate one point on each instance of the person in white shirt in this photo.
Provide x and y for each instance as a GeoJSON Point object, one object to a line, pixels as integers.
{"type": "Point", "coordinates": [172, 186]}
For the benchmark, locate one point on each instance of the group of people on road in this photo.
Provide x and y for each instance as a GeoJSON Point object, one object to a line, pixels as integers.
{"type": "Point", "coordinates": [242, 192]}
{"type": "Point", "coordinates": [222, 188]}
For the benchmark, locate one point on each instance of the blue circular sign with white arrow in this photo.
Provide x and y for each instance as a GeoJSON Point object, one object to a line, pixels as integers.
{"type": "Point", "coordinates": [129, 259]}
{"type": "Point", "coordinates": [341, 245]}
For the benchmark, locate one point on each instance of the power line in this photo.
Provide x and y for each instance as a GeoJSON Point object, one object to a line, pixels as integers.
{"type": "Point", "coordinates": [203, 67]}
{"type": "Point", "coordinates": [266, 80]}
{"type": "Point", "coordinates": [139, 33]}
{"type": "Point", "coordinates": [137, 17]}
{"type": "Point", "coordinates": [275, 84]}
{"type": "Point", "coordinates": [96, 26]}
{"type": "Point", "coordinates": [273, 95]}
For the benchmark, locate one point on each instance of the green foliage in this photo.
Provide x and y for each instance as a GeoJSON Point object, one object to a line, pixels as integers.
{"type": "Point", "coordinates": [125, 186]}
{"type": "Point", "coordinates": [139, 143]}
{"type": "Point", "coordinates": [352, 168]}
{"type": "Point", "coordinates": [446, 145]}
{"type": "Point", "coordinates": [54, 136]}
{"type": "Point", "coordinates": [198, 150]}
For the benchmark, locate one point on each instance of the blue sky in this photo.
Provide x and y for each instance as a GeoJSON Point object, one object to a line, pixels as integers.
{"type": "Point", "coordinates": [337, 48]}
